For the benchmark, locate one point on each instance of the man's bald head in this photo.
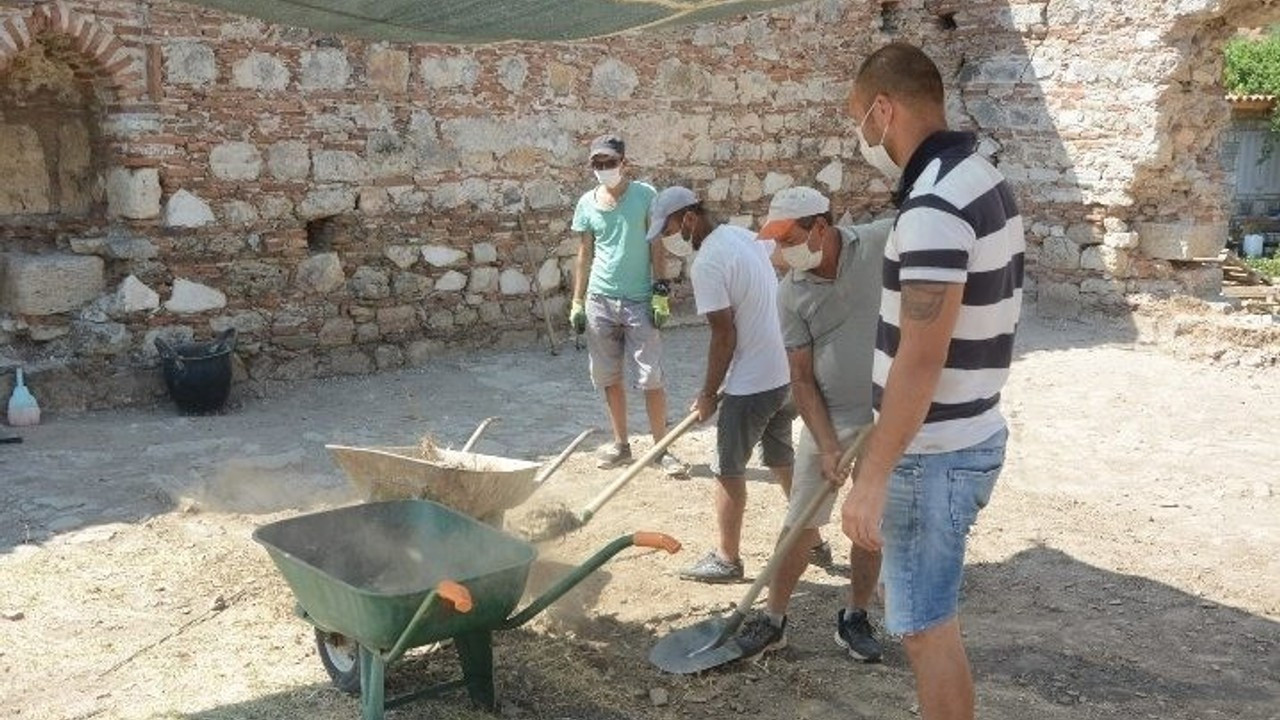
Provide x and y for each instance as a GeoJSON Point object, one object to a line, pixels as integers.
{"type": "Point", "coordinates": [903, 72]}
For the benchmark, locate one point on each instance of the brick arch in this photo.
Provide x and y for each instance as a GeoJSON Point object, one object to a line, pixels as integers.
{"type": "Point", "coordinates": [107, 54]}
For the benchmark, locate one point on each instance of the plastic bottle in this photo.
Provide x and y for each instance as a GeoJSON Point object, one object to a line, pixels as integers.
{"type": "Point", "coordinates": [23, 409]}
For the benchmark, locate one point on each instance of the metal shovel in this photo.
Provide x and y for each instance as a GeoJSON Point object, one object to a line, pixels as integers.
{"type": "Point", "coordinates": [711, 643]}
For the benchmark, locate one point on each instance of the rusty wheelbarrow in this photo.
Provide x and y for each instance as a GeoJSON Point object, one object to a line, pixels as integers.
{"type": "Point", "coordinates": [482, 486]}
{"type": "Point", "coordinates": [377, 579]}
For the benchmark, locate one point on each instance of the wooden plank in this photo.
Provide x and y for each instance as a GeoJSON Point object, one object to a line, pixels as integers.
{"type": "Point", "coordinates": [1252, 292]}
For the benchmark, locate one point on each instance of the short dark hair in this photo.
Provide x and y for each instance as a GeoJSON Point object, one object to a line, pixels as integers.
{"type": "Point", "coordinates": [901, 70]}
{"type": "Point", "coordinates": [806, 223]}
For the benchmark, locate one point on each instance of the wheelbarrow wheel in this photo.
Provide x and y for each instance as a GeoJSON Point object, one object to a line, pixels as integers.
{"type": "Point", "coordinates": [340, 656]}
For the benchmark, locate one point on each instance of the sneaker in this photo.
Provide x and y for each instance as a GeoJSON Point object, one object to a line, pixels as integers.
{"type": "Point", "coordinates": [820, 555]}
{"type": "Point", "coordinates": [711, 568]}
{"type": "Point", "coordinates": [853, 633]}
{"type": "Point", "coordinates": [672, 466]}
{"type": "Point", "coordinates": [615, 455]}
{"type": "Point", "coordinates": [759, 635]}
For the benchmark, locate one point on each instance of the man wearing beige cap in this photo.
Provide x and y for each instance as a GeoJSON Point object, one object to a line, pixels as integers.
{"type": "Point", "coordinates": [746, 378]}
{"type": "Point", "coordinates": [828, 303]}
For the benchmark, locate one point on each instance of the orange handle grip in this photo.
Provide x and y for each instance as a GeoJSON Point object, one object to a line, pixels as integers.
{"type": "Point", "coordinates": [456, 594]}
{"type": "Point", "coordinates": [657, 540]}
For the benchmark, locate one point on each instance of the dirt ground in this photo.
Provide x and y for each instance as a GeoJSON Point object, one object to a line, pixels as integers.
{"type": "Point", "coordinates": [1127, 567]}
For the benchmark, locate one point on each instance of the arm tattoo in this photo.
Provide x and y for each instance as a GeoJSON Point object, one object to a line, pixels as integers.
{"type": "Point", "coordinates": [922, 302]}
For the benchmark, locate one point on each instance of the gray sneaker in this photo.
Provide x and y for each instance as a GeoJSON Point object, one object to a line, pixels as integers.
{"type": "Point", "coordinates": [613, 456]}
{"type": "Point", "coordinates": [759, 635]}
{"type": "Point", "coordinates": [672, 466]}
{"type": "Point", "coordinates": [711, 568]}
{"type": "Point", "coordinates": [853, 633]}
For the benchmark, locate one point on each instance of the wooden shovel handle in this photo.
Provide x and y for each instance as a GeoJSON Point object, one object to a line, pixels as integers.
{"type": "Point", "coordinates": [640, 464]}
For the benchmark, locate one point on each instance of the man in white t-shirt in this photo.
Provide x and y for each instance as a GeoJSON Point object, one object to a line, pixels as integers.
{"type": "Point", "coordinates": [747, 376]}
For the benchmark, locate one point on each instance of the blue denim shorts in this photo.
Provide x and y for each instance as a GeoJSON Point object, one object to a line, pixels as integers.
{"type": "Point", "coordinates": [932, 502]}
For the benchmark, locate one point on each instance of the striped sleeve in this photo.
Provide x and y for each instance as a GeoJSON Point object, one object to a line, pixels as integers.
{"type": "Point", "coordinates": [934, 241]}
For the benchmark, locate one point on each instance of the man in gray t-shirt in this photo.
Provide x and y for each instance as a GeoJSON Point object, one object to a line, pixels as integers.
{"type": "Point", "coordinates": [828, 304]}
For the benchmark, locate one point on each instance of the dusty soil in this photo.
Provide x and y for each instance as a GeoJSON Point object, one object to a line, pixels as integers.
{"type": "Point", "coordinates": [1127, 567]}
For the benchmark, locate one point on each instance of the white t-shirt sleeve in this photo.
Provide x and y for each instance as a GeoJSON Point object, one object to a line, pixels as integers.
{"type": "Point", "coordinates": [710, 286]}
{"type": "Point", "coordinates": [933, 246]}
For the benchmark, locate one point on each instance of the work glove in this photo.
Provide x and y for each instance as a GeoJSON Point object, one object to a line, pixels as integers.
{"type": "Point", "coordinates": [578, 317]}
{"type": "Point", "coordinates": [659, 305]}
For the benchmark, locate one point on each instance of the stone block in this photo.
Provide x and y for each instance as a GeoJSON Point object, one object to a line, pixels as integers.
{"type": "Point", "coordinates": [545, 193]}
{"type": "Point", "coordinates": [49, 284]}
{"type": "Point", "coordinates": [260, 71]}
{"type": "Point", "coordinates": [452, 281]}
{"type": "Point", "coordinates": [614, 79]}
{"type": "Point", "coordinates": [239, 213]}
{"type": "Point", "coordinates": [549, 274]}
{"type": "Point", "coordinates": [324, 69]}
{"type": "Point", "coordinates": [337, 331]}
{"type": "Point", "coordinates": [682, 80]}
{"type": "Point", "coordinates": [235, 161]}
{"type": "Point", "coordinates": [388, 70]}
{"type": "Point", "coordinates": [450, 72]}
{"type": "Point", "coordinates": [189, 63]}
{"type": "Point", "coordinates": [1113, 261]}
{"type": "Point", "coordinates": [91, 338]}
{"type": "Point", "coordinates": [367, 333]}
{"type": "Point", "coordinates": [134, 296]}
{"type": "Point", "coordinates": [1121, 240]}
{"type": "Point", "coordinates": [338, 166]}
{"type": "Point", "coordinates": [832, 176]}
{"type": "Point", "coordinates": [484, 253]}
{"type": "Point", "coordinates": [389, 155]}
{"type": "Point", "coordinates": [483, 279]}
{"type": "Point", "coordinates": [191, 297]}
{"type": "Point", "coordinates": [773, 182]}
{"type": "Point", "coordinates": [249, 322]}
{"type": "Point", "coordinates": [1060, 253]}
{"type": "Point", "coordinates": [320, 274]}
{"type": "Point", "coordinates": [512, 71]}
{"type": "Point", "coordinates": [1182, 241]}
{"type": "Point", "coordinates": [441, 256]}
{"type": "Point", "coordinates": [350, 361]}
{"type": "Point", "coordinates": [289, 160]}
{"type": "Point", "coordinates": [403, 256]}
{"type": "Point", "coordinates": [370, 283]}
{"type": "Point", "coordinates": [411, 286]}
{"type": "Point", "coordinates": [419, 352]}
{"type": "Point", "coordinates": [187, 210]}
{"type": "Point", "coordinates": [440, 320]}
{"type": "Point", "coordinates": [394, 321]}
{"type": "Point", "coordinates": [513, 282]}
{"type": "Point", "coordinates": [388, 357]}
{"type": "Point", "coordinates": [327, 202]}
{"type": "Point", "coordinates": [133, 194]}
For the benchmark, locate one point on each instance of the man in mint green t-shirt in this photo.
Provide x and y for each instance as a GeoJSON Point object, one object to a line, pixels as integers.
{"type": "Point", "coordinates": [623, 301]}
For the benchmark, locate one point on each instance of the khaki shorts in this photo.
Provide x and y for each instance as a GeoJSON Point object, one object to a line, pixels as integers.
{"type": "Point", "coordinates": [807, 480]}
{"type": "Point", "coordinates": [621, 332]}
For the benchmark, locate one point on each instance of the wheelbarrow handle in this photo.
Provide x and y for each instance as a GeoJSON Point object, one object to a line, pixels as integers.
{"type": "Point", "coordinates": [471, 441]}
{"type": "Point", "coordinates": [660, 541]}
{"type": "Point", "coordinates": [457, 595]}
{"type": "Point", "coordinates": [447, 590]}
{"type": "Point", "coordinates": [550, 469]}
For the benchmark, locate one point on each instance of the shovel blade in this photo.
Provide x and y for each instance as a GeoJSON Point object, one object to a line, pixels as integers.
{"type": "Point", "coordinates": [697, 648]}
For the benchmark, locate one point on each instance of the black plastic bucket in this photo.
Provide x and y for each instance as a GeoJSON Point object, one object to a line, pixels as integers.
{"type": "Point", "coordinates": [198, 374]}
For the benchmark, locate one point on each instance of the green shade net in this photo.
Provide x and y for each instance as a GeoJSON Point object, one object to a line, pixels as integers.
{"type": "Point", "coordinates": [485, 21]}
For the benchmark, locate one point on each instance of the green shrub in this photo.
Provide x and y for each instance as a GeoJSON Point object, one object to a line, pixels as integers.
{"type": "Point", "coordinates": [1253, 68]}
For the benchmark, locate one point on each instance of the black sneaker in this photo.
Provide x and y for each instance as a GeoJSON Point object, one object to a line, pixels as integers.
{"type": "Point", "coordinates": [615, 455]}
{"type": "Point", "coordinates": [711, 568]}
{"type": "Point", "coordinates": [853, 633]}
{"type": "Point", "coordinates": [758, 635]}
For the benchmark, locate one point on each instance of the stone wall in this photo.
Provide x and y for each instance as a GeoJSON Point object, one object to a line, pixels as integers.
{"type": "Point", "coordinates": [350, 205]}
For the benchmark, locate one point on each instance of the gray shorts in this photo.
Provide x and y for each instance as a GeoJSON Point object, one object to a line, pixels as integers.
{"type": "Point", "coordinates": [618, 328]}
{"type": "Point", "coordinates": [807, 480]}
{"type": "Point", "coordinates": [745, 420]}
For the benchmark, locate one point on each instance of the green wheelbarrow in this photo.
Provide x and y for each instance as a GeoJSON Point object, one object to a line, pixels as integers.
{"type": "Point", "coordinates": [377, 579]}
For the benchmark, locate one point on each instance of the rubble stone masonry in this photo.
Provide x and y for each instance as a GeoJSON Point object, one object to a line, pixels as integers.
{"type": "Point", "coordinates": [350, 205]}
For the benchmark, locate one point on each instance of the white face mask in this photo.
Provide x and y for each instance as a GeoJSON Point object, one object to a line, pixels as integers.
{"type": "Point", "coordinates": [677, 245]}
{"type": "Point", "coordinates": [877, 157]}
{"type": "Point", "coordinates": [800, 257]}
{"type": "Point", "coordinates": [609, 178]}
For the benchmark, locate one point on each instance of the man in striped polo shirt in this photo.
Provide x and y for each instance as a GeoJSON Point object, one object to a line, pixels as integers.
{"type": "Point", "coordinates": [948, 311]}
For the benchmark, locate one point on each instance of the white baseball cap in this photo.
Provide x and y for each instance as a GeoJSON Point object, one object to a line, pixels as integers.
{"type": "Point", "coordinates": [667, 202]}
{"type": "Point", "coordinates": [791, 204]}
